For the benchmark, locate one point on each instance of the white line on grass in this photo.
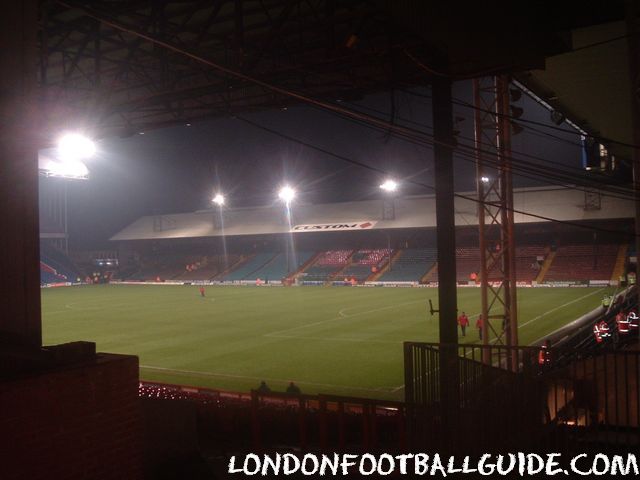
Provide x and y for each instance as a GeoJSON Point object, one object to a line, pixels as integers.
{"type": "Point", "coordinates": [341, 317]}
{"type": "Point", "coordinates": [249, 377]}
{"type": "Point", "coordinates": [70, 306]}
{"type": "Point", "coordinates": [335, 339]}
{"type": "Point", "coordinates": [542, 315]}
{"type": "Point", "coordinates": [559, 307]}
{"type": "Point", "coordinates": [537, 340]}
{"type": "Point", "coordinates": [534, 319]}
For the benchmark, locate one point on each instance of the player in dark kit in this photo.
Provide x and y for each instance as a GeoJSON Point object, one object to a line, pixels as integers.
{"type": "Point", "coordinates": [202, 291]}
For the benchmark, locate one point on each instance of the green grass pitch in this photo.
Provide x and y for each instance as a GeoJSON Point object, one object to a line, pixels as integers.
{"type": "Point", "coordinates": [338, 340]}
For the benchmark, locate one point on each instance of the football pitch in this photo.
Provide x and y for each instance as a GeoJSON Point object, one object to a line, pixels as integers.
{"type": "Point", "coordinates": [339, 340]}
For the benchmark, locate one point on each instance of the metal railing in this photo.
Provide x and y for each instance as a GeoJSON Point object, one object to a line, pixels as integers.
{"type": "Point", "coordinates": [564, 398]}
{"type": "Point", "coordinates": [327, 422]}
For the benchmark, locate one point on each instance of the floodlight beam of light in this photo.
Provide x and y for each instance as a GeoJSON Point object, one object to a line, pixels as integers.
{"type": "Point", "coordinates": [287, 194]}
{"type": "Point", "coordinates": [219, 200]}
{"type": "Point", "coordinates": [291, 249]}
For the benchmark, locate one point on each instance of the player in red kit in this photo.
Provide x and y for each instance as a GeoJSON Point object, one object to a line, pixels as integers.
{"type": "Point", "coordinates": [201, 291]}
{"type": "Point", "coordinates": [463, 321]}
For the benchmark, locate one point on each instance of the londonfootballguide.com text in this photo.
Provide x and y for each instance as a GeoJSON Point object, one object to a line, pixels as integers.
{"type": "Point", "coordinates": [514, 464]}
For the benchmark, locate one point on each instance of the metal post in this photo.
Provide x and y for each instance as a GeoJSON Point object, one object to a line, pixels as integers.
{"type": "Point", "coordinates": [481, 174]}
{"type": "Point", "coordinates": [633, 43]}
{"type": "Point", "coordinates": [446, 241]}
{"type": "Point", "coordinates": [508, 233]}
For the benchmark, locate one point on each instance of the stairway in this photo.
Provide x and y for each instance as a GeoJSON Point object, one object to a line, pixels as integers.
{"type": "Point", "coordinates": [618, 269]}
{"type": "Point", "coordinates": [427, 276]}
{"type": "Point", "coordinates": [545, 266]}
{"type": "Point", "coordinates": [374, 277]}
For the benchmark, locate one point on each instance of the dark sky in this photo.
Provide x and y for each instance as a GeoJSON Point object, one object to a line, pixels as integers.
{"type": "Point", "coordinates": [177, 169]}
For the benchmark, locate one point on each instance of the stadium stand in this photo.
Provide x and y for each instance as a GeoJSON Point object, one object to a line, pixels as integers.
{"type": "Point", "coordinates": [328, 264]}
{"type": "Point", "coordinates": [334, 257]}
{"type": "Point", "coordinates": [164, 266]}
{"type": "Point", "coordinates": [49, 275]}
{"type": "Point", "coordinates": [411, 265]}
{"type": "Point", "coordinates": [582, 262]}
{"type": "Point", "coordinates": [527, 266]}
{"type": "Point", "coordinates": [467, 262]}
{"type": "Point", "coordinates": [55, 266]}
{"type": "Point", "coordinates": [207, 267]}
{"type": "Point", "coordinates": [363, 261]}
{"type": "Point", "coordinates": [279, 267]}
{"type": "Point", "coordinates": [540, 260]}
{"type": "Point", "coordinates": [248, 267]}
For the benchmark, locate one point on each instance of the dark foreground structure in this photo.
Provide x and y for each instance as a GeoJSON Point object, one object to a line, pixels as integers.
{"type": "Point", "coordinates": [123, 67]}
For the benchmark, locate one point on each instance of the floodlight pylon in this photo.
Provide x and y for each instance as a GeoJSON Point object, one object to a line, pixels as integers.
{"type": "Point", "coordinates": [495, 211]}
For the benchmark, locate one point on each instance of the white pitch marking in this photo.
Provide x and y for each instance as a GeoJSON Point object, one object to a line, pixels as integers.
{"type": "Point", "coordinates": [542, 315]}
{"type": "Point", "coordinates": [70, 306]}
{"type": "Point", "coordinates": [559, 307]}
{"type": "Point", "coordinates": [248, 377]}
{"type": "Point", "coordinates": [569, 303]}
{"type": "Point", "coordinates": [342, 317]}
{"type": "Point", "coordinates": [334, 339]}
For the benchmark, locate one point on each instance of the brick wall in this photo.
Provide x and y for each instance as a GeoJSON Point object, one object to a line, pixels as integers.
{"type": "Point", "coordinates": [79, 422]}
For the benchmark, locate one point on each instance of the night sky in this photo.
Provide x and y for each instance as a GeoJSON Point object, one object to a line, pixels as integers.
{"type": "Point", "coordinates": [177, 169]}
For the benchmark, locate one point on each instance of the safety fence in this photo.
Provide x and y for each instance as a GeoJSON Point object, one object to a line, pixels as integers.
{"type": "Point", "coordinates": [501, 397]}
{"type": "Point", "coordinates": [283, 420]}
{"type": "Point", "coordinates": [328, 422]}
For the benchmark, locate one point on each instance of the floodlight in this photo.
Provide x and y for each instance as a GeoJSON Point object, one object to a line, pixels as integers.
{"type": "Point", "coordinates": [286, 194]}
{"type": "Point", "coordinates": [73, 146]}
{"type": "Point", "coordinates": [484, 179]}
{"type": "Point", "coordinates": [389, 185]}
{"type": "Point", "coordinates": [218, 199]}
{"type": "Point", "coordinates": [68, 169]}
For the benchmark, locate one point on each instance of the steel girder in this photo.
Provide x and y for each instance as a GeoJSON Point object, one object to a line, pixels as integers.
{"type": "Point", "coordinates": [495, 212]}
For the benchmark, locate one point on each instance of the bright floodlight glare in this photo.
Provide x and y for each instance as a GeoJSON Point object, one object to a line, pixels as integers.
{"type": "Point", "coordinates": [484, 179]}
{"type": "Point", "coordinates": [389, 185]}
{"type": "Point", "coordinates": [218, 199]}
{"type": "Point", "coordinates": [73, 146]}
{"type": "Point", "coordinates": [286, 194]}
{"type": "Point", "coordinates": [68, 169]}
